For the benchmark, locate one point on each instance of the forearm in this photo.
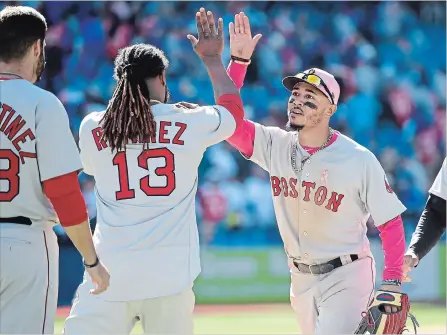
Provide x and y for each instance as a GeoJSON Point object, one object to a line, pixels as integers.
{"type": "Point", "coordinates": [64, 193]}
{"type": "Point", "coordinates": [243, 138]}
{"type": "Point", "coordinates": [222, 83]}
{"type": "Point", "coordinates": [430, 228]}
{"type": "Point", "coordinates": [393, 244]}
{"type": "Point", "coordinates": [81, 236]}
{"type": "Point", "coordinates": [237, 73]}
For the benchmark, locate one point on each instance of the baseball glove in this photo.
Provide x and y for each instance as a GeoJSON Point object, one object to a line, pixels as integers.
{"type": "Point", "coordinates": [376, 321]}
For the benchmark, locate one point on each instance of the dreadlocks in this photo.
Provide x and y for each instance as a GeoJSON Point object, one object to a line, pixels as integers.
{"type": "Point", "coordinates": [129, 115]}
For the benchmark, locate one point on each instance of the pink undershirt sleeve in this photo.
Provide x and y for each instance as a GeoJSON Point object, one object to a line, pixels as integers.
{"type": "Point", "coordinates": [243, 138]}
{"type": "Point", "coordinates": [393, 245]}
{"type": "Point", "coordinates": [237, 73]}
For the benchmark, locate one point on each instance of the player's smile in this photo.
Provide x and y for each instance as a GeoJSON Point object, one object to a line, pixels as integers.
{"type": "Point", "coordinates": [297, 111]}
{"type": "Point", "coordinates": [296, 114]}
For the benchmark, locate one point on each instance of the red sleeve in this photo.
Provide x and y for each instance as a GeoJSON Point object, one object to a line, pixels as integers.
{"type": "Point", "coordinates": [237, 73]}
{"type": "Point", "coordinates": [393, 245]}
{"type": "Point", "coordinates": [235, 106]}
{"type": "Point", "coordinates": [243, 138]}
{"type": "Point", "coordinates": [65, 195]}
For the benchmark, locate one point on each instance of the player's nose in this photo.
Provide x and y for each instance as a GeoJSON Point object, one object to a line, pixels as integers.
{"type": "Point", "coordinates": [295, 101]}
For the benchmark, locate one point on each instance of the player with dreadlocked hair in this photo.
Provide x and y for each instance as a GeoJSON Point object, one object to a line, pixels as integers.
{"type": "Point", "coordinates": [146, 227]}
{"type": "Point", "coordinates": [128, 115]}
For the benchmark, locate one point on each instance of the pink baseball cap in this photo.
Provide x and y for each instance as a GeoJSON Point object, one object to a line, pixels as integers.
{"type": "Point", "coordinates": [320, 79]}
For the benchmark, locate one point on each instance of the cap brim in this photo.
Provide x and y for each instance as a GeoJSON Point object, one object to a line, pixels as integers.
{"type": "Point", "coordinates": [290, 82]}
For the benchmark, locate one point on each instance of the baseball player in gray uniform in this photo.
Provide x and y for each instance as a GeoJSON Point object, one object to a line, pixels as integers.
{"type": "Point", "coordinates": [39, 162]}
{"type": "Point", "coordinates": [144, 154]}
{"type": "Point", "coordinates": [324, 186]}
{"type": "Point", "coordinates": [431, 225]}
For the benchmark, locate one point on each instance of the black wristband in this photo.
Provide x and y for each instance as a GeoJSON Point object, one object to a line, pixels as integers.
{"type": "Point", "coordinates": [395, 282]}
{"type": "Point", "coordinates": [243, 60]}
{"type": "Point", "coordinates": [92, 265]}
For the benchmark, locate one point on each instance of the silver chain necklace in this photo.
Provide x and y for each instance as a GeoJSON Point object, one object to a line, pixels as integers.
{"type": "Point", "coordinates": [304, 160]}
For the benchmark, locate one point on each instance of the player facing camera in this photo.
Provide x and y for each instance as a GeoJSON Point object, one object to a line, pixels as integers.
{"type": "Point", "coordinates": [313, 101]}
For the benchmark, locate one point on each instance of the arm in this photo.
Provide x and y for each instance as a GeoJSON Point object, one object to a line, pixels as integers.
{"type": "Point", "coordinates": [393, 244]}
{"type": "Point", "coordinates": [65, 195]}
{"type": "Point", "coordinates": [237, 73]}
{"type": "Point", "coordinates": [430, 228]}
{"type": "Point", "coordinates": [209, 48]}
{"type": "Point", "coordinates": [242, 45]}
{"type": "Point", "coordinates": [226, 93]}
{"type": "Point", "coordinates": [222, 83]}
{"type": "Point", "coordinates": [59, 163]}
{"type": "Point", "coordinates": [431, 225]}
{"type": "Point", "coordinates": [244, 136]}
{"type": "Point", "coordinates": [385, 208]}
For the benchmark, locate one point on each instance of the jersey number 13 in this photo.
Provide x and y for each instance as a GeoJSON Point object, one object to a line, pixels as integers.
{"type": "Point", "coordinates": [125, 192]}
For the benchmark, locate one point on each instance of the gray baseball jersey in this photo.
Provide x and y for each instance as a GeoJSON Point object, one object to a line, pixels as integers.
{"type": "Point", "coordinates": [439, 187]}
{"type": "Point", "coordinates": [146, 230]}
{"type": "Point", "coordinates": [36, 144]}
{"type": "Point", "coordinates": [322, 211]}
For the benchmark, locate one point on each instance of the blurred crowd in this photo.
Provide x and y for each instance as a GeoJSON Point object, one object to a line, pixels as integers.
{"type": "Point", "coordinates": [389, 57]}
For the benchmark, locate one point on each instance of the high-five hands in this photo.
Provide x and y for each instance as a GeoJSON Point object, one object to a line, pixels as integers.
{"type": "Point", "coordinates": [210, 41]}
{"type": "Point", "coordinates": [242, 44]}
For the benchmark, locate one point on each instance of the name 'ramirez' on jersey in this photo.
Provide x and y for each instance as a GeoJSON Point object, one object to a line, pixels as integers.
{"type": "Point", "coordinates": [146, 199]}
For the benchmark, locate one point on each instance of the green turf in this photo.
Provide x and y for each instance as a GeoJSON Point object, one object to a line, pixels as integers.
{"type": "Point", "coordinates": [280, 320]}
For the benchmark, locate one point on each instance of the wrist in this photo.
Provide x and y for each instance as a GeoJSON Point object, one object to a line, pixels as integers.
{"type": "Point", "coordinates": [241, 63]}
{"type": "Point", "coordinates": [91, 262]}
{"type": "Point", "coordinates": [240, 60]}
{"type": "Point", "coordinates": [212, 60]}
{"type": "Point", "coordinates": [392, 282]}
{"type": "Point", "coordinates": [412, 253]}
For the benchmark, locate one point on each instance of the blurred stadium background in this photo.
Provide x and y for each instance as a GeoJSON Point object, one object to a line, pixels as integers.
{"type": "Point", "coordinates": [390, 59]}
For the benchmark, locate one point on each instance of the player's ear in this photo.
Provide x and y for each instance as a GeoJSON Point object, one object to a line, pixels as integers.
{"type": "Point", "coordinates": [163, 78]}
{"type": "Point", "coordinates": [36, 48]}
{"type": "Point", "coordinates": [331, 110]}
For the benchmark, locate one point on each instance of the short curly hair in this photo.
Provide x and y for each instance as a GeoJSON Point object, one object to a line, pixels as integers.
{"type": "Point", "coordinates": [20, 27]}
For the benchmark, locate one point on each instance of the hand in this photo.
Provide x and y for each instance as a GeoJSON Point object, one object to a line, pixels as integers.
{"type": "Point", "coordinates": [210, 42]}
{"type": "Point", "coordinates": [187, 105]}
{"type": "Point", "coordinates": [391, 288]}
{"type": "Point", "coordinates": [100, 277]}
{"type": "Point", "coordinates": [410, 261]}
{"type": "Point", "coordinates": [241, 43]}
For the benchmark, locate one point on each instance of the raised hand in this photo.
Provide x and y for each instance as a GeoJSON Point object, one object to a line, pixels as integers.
{"type": "Point", "coordinates": [210, 42]}
{"type": "Point", "coordinates": [241, 43]}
